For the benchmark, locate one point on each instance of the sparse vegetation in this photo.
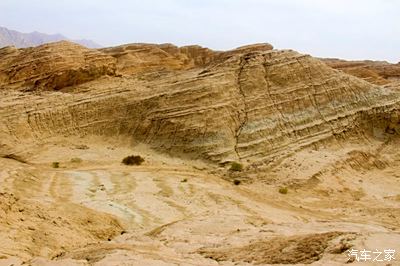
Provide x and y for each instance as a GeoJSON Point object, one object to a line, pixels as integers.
{"type": "Point", "coordinates": [237, 167]}
{"type": "Point", "coordinates": [76, 160]}
{"type": "Point", "coordinates": [283, 190]}
{"type": "Point", "coordinates": [55, 165]}
{"type": "Point", "coordinates": [184, 180]}
{"type": "Point", "coordinates": [236, 182]}
{"type": "Point", "coordinates": [133, 160]}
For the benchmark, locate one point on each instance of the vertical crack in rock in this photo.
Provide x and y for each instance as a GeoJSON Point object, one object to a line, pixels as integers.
{"type": "Point", "coordinates": [275, 103]}
{"type": "Point", "coordinates": [243, 62]}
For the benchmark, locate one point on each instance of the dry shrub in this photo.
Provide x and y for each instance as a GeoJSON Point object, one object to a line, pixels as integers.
{"type": "Point", "coordinates": [237, 167]}
{"type": "Point", "coordinates": [133, 160]}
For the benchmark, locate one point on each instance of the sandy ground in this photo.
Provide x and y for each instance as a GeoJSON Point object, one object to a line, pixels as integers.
{"type": "Point", "coordinates": [168, 211]}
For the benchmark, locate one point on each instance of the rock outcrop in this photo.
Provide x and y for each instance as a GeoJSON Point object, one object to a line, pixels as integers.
{"type": "Point", "coordinates": [52, 66]}
{"type": "Point", "coordinates": [377, 72]}
{"type": "Point", "coordinates": [143, 58]}
{"type": "Point", "coordinates": [250, 104]}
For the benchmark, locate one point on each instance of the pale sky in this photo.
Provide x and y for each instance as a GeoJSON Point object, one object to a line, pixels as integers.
{"type": "Point", "coordinates": [349, 29]}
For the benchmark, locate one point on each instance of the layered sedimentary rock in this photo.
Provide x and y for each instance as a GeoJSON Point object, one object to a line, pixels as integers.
{"type": "Point", "coordinates": [377, 72]}
{"type": "Point", "coordinates": [143, 58]}
{"type": "Point", "coordinates": [52, 66]}
{"type": "Point", "coordinates": [304, 133]}
{"type": "Point", "coordinates": [250, 104]}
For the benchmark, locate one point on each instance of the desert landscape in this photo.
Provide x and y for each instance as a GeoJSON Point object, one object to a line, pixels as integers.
{"type": "Point", "coordinates": [252, 156]}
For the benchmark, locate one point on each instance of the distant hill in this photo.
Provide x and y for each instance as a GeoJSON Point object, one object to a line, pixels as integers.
{"type": "Point", "coordinates": [22, 40]}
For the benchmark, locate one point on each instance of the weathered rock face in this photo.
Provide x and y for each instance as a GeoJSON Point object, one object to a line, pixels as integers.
{"type": "Point", "coordinates": [250, 104]}
{"type": "Point", "coordinates": [52, 66]}
{"type": "Point", "coordinates": [259, 106]}
{"type": "Point", "coordinates": [144, 58]}
{"type": "Point", "coordinates": [376, 72]}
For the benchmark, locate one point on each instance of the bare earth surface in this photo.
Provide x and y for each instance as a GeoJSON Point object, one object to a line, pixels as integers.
{"type": "Point", "coordinates": [329, 139]}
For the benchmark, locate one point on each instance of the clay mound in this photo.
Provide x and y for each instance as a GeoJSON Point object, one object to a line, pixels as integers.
{"type": "Point", "coordinates": [52, 66]}
{"type": "Point", "coordinates": [377, 72]}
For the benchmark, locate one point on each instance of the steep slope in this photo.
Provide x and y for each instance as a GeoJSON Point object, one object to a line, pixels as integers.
{"type": "Point", "coordinates": [23, 40]}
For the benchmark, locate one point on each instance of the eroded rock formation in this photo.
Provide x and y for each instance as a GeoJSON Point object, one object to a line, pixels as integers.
{"type": "Point", "coordinates": [252, 103]}
{"type": "Point", "coordinates": [317, 150]}
{"type": "Point", "coordinates": [377, 72]}
{"type": "Point", "coordinates": [143, 58]}
{"type": "Point", "coordinates": [52, 66]}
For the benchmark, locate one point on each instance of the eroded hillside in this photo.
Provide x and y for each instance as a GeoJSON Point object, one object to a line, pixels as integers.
{"type": "Point", "coordinates": [318, 147]}
{"type": "Point", "coordinates": [377, 72]}
{"type": "Point", "coordinates": [52, 66]}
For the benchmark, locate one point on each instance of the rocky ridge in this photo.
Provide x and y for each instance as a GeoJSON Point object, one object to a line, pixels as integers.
{"type": "Point", "coordinates": [252, 104]}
